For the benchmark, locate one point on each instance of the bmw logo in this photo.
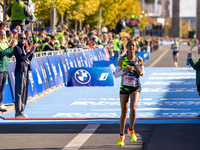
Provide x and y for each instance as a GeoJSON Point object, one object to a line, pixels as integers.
{"type": "Point", "coordinates": [82, 76]}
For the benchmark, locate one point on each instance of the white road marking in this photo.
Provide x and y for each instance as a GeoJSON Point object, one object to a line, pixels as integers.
{"type": "Point", "coordinates": [158, 59]}
{"type": "Point", "coordinates": [81, 138]}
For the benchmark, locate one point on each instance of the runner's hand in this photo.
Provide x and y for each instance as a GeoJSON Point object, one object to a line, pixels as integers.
{"type": "Point", "coordinates": [129, 69]}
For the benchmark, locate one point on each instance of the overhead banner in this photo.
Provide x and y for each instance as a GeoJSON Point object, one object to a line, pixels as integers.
{"type": "Point", "coordinates": [95, 76]}
{"type": "Point", "coordinates": [65, 70]}
{"type": "Point", "coordinates": [44, 73]}
{"type": "Point", "coordinates": [37, 76]}
{"type": "Point", "coordinates": [8, 99]}
{"type": "Point", "coordinates": [56, 70]}
{"type": "Point", "coordinates": [11, 77]}
{"type": "Point", "coordinates": [48, 71]}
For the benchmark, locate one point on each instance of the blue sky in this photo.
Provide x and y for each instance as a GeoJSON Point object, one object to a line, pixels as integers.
{"type": "Point", "coordinates": [187, 8]}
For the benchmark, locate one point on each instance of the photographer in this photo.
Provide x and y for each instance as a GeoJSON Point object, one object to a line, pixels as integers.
{"type": "Point", "coordinates": [18, 11]}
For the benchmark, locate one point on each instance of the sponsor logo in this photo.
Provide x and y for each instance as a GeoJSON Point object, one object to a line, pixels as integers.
{"type": "Point", "coordinates": [103, 76]}
{"type": "Point", "coordinates": [38, 76]}
{"type": "Point", "coordinates": [82, 76]}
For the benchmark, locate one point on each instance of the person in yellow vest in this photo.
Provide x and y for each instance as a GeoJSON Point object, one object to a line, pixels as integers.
{"type": "Point", "coordinates": [116, 47]}
{"type": "Point", "coordinates": [18, 11]}
{"type": "Point", "coordinates": [46, 46]}
{"type": "Point", "coordinates": [6, 52]}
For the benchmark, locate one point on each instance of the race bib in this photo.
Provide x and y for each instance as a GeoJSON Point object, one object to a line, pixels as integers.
{"type": "Point", "coordinates": [129, 79]}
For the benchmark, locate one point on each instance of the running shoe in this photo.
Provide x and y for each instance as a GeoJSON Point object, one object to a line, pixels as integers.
{"type": "Point", "coordinates": [121, 141]}
{"type": "Point", "coordinates": [133, 137]}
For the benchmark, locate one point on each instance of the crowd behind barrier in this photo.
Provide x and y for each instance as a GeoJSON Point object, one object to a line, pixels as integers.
{"type": "Point", "coordinates": [78, 68]}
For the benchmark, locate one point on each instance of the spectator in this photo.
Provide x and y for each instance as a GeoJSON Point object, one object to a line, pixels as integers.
{"type": "Point", "coordinates": [18, 29]}
{"type": "Point", "coordinates": [29, 38]}
{"type": "Point", "coordinates": [63, 44]}
{"type": "Point", "coordinates": [15, 35]}
{"type": "Point", "coordinates": [9, 36]}
{"type": "Point", "coordinates": [18, 12]}
{"type": "Point", "coordinates": [4, 25]}
{"type": "Point", "coordinates": [116, 48]}
{"type": "Point", "coordinates": [5, 53]}
{"type": "Point", "coordinates": [23, 65]}
{"type": "Point", "coordinates": [46, 46]}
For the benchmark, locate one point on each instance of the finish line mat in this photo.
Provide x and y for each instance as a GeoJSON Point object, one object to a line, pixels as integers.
{"type": "Point", "coordinates": [167, 93]}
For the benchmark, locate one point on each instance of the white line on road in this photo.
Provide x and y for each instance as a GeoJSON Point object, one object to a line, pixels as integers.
{"type": "Point", "coordinates": [81, 138]}
{"type": "Point", "coordinates": [157, 60]}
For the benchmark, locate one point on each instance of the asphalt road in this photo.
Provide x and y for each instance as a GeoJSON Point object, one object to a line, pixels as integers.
{"type": "Point", "coordinates": [150, 136]}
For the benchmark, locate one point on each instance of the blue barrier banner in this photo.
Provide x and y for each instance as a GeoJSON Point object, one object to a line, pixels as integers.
{"type": "Point", "coordinates": [141, 55]}
{"type": "Point", "coordinates": [56, 70]}
{"type": "Point", "coordinates": [87, 59]}
{"type": "Point", "coordinates": [61, 72]}
{"type": "Point", "coordinates": [48, 71]}
{"type": "Point", "coordinates": [65, 70]}
{"type": "Point", "coordinates": [105, 63]}
{"type": "Point", "coordinates": [90, 57]}
{"type": "Point", "coordinates": [32, 89]}
{"type": "Point", "coordinates": [95, 76]}
{"type": "Point", "coordinates": [101, 53]}
{"type": "Point", "coordinates": [111, 64]}
{"type": "Point", "coordinates": [11, 77]}
{"type": "Point", "coordinates": [37, 76]}
{"type": "Point", "coordinates": [95, 55]}
{"type": "Point", "coordinates": [44, 73]}
{"type": "Point", "coordinates": [145, 55]}
{"type": "Point", "coordinates": [8, 99]}
{"type": "Point", "coordinates": [65, 57]}
{"type": "Point", "coordinates": [72, 60]}
{"type": "Point", "coordinates": [79, 60]}
{"type": "Point", "coordinates": [84, 59]}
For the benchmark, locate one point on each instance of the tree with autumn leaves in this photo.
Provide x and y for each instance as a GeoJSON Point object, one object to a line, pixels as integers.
{"type": "Point", "coordinates": [88, 11]}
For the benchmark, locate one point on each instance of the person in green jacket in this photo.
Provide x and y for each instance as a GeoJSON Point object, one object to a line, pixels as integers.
{"type": "Point", "coordinates": [195, 66]}
{"type": "Point", "coordinates": [6, 52]}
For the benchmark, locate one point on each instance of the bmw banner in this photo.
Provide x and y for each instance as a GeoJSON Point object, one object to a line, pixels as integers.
{"type": "Point", "coordinates": [48, 71]}
{"type": "Point", "coordinates": [11, 77]}
{"type": "Point", "coordinates": [102, 55]}
{"type": "Point", "coordinates": [65, 70]}
{"type": "Point", "coordinates": [8, 99]}
{"type": "Point", "coordinates": [37, 76]}
{"type": "Point", "coordinates": [56, 70]}
{"type": "Point", "coordinates": [95, 76]}
{"type": "Point", "coordinates": [44, 73]}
